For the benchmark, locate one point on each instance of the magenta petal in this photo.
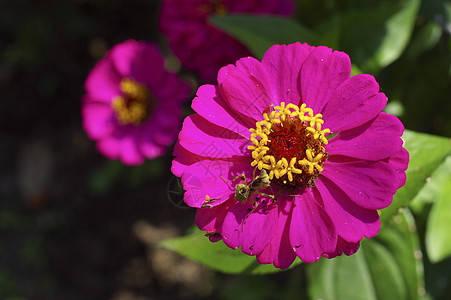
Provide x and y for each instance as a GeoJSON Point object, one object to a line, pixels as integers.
{"type": "Point", "coordinates": [205, 178]}
{"type": "Point", "coordinates": [134, 59]}
{"type": "Point", "coordinates": [103, 81]}
{"type": "Point", "coordinates": [233, 224]}
{"type": "Point", "coordinates": [322, 72]}
{"type": "Point", "coordinates": [151, 150]}
{"type": "Point", "coordinates": [399, 162]}
{"type": "Point", "coordinates": [356, 102]}
{"type": "Point", "coordinates": [279, 251]}
{"type": "Point", "coordinates": [98, 119]}
{"type": "Point", "coordinates": [110, 147]}
{"type": "Point", "coordinates": [162, 128]}
{"type": "Point", "coordinates": [368, 184]}
{"type": "Point", "coordinates": [130, 154]}
{"type": "Point", "coordinates": [311, 232]}
{"type": "Point", "coordinates": [168, 88]}
{"type": "Point", "coordinates": [244, 92]}
{"type": "Point", "coordinates": [224, 72]}
{"type": "Point", "coordinates": [212, 218]}
{"type": "Point", "coordinates": [205, 139]}
{"type": "Point", "coordinates": [210, 105]}
{"type": "Point", "coordinates": [351, 221]}
{"type": "Point", "coordinates": [374, 140]}
{"type": "Point", "coordinates": [259, 229]}
{"type": "Point", "coordinates": [343, 247]}
{"type": "Point", "coordinates": [283, 64]}
{"type": "Point", "coordinates": [183, 158]}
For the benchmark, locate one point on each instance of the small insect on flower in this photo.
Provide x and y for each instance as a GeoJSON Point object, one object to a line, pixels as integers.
{"type": "Point", "coordinates": [245, 192]}
{"type": "Point", "coordinates": [207, 202]}
{"type": "Point", "coordinates": [212, 234]}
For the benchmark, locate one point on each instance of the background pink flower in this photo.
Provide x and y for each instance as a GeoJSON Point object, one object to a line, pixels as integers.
{"type": "Point", "coordinates": [327, 188]}
{"type": "Point", "coordinates": [200, 46]}
{"type": "Point", "coordinates": [132, 106]}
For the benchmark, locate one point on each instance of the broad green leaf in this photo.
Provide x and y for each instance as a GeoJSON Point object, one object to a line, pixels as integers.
{"type": "Point", "coordinates": [402, 241]}
{"type": "Point", "coordinates": [259, 33]}
{"type": "Point", "coordinates": [341, 278]}
{"type": "Point", "coordinates": [217, 255]}
{"type": "Point", "coordinates": [427, 152]}
{"type": "Point", "coordinates": [386, 267]}
{"type": "Point", "coordinates": [438, 237]}
{"type": "Point", "coordinates": [432, 189]}
{"type": "Point", "coordinates": [375, 38]}
{"type": "Point", "coordinates": [424, 39]}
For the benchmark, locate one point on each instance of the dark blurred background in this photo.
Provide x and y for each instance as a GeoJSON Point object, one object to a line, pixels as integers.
{"type": "Point", "coordinates": [74, 225]}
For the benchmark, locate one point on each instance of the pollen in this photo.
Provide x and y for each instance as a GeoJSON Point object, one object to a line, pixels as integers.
{"type": "Point", "coordinates": [135, 103]}
{"type": "Point", "coordinates": [215, 7]}
{"type": "Point", "coordinates": [289, 144]}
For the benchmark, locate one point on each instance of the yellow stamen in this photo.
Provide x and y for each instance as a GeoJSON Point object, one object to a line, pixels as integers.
{"type": "Point", "coordinates": [132, 107]}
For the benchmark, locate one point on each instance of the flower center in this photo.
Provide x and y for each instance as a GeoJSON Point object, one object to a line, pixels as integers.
{"type": "Point", "coordinates": [289, 144]}
{"type": "Point", "coordinates": [215, 7]}
{"type": "Point", "coordinates": [134, 105]}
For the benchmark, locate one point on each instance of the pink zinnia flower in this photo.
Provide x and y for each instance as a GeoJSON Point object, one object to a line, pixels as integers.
{"type": "Point", "coordinates": [202, 47]}
{"type": "Point", "coordinates": [298, 120]}
{"type": "Point", "coordinates": [132, 106]}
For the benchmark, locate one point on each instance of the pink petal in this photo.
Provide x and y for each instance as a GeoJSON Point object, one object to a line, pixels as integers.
{"type": "Point", "coordinates": [354, 103]}
{"type": "Point", "coordinates": [244, 91]}
{"type": "Point", "coordinates": [168, 89]}
{"type": "Point", "coordinates": [150, 149]}
{"type": "Point", "coordinates": [368, 184]}
{"type": "Point", "coordinates": [283, 64]}
{"type": "Point", "coordinates": [375, 140]}
{"type": "Point", "coordinates": [279, 251]}
{"type": "Point", "coordinates": [206, 178]}
{"type": "Point", "coordinates": [321, 74]}
{"type": "Point", "coordinates": [162, 128]}
{"type": "Point", "coordinates": [205, 139]}
{"type": "Point", "coordinates": [259, 228]}
{"type": "Point", "coordinates": [135, 59]}
{"type": "Point", "coordinates": [233, 224]}
{"type": "Point", "coordinates": [212, 218]}
{"type": "Point", "coordinates": [351, 221]}
{"type": "Point", "coordinates": [129, 152]}
{"type": "Point", "coordinates": [103, 82]}
{"type": "Point", "coordinates": [183, 158]}
{"type": "Point", "coordinates": [224, 72]}
{"type": "Point", "coordinates": [110, 147]}
{"type": "Point", "coordinates": [343, 247]}
{"type": "Point", "coordinates": [399, 162]}
{"type": "Point", "coordinates": [210, 105]}
{"type": "Point", "coordinates": [98, 119]}
{"type": "Point", "coordinates": [311, 232]}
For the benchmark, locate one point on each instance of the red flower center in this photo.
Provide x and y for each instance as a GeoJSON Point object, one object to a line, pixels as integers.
{"type": "Point", "coordinates": [289, 144]}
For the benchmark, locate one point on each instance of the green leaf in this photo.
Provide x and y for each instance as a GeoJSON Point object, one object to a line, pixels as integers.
{"type": "Point", "coordinates": [259, 33]}
{"type": "Point", "coordinates": [217, 255]}
{"type": "Point", "coordinates": [375, 38]}
{"type": "Point", "coordinates": [386, 268]}
{"type": "Point", "coordinates": [438, 237]}
{"type": "Point", "coordinates": [425, 38]}
{"type": "Point", "coordinates": [427, 153]}
{"type": "Point", "coordinates": [401, 240]}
